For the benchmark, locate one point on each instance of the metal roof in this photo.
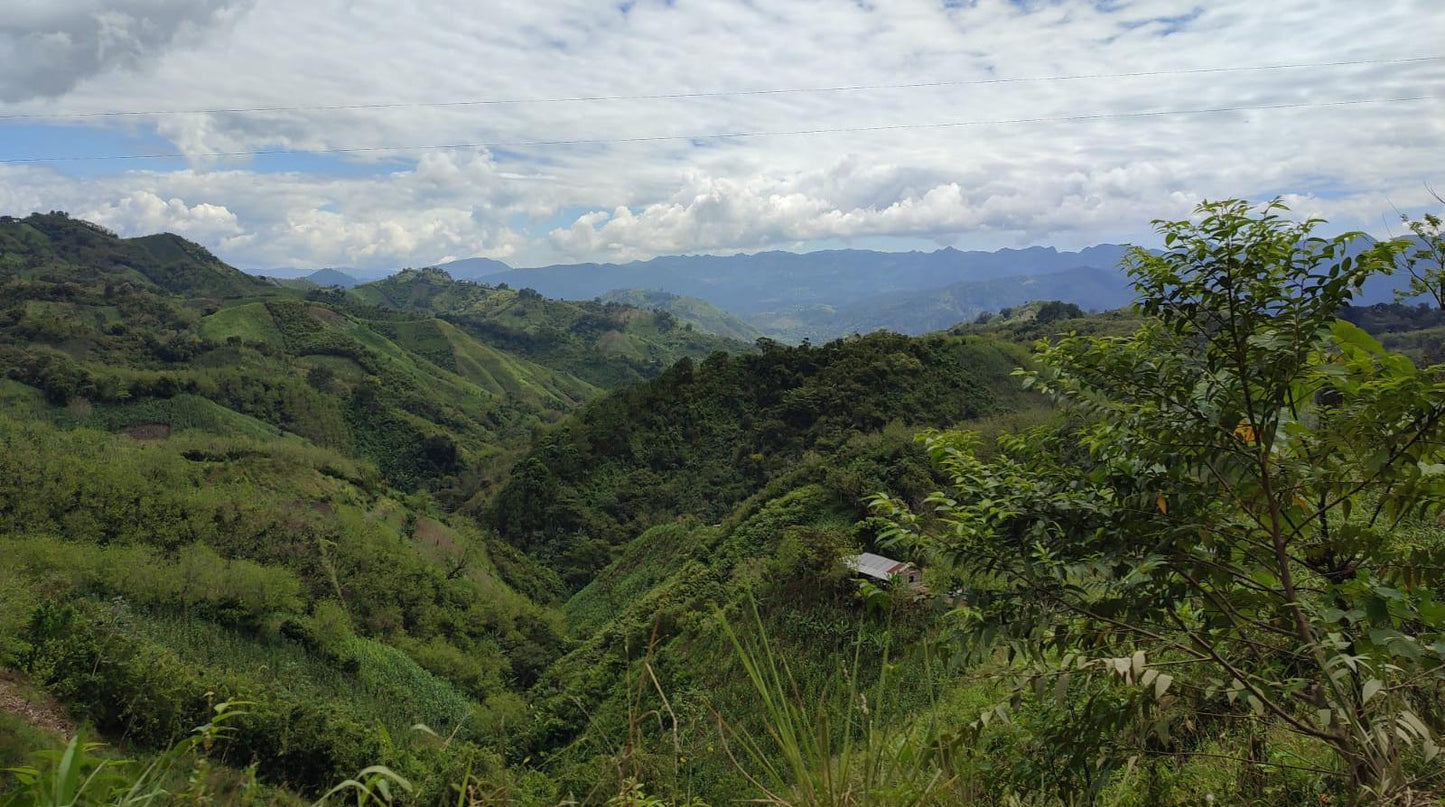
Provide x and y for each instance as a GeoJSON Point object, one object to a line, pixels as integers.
{"type": "Point", "coordinates": [876, 566]}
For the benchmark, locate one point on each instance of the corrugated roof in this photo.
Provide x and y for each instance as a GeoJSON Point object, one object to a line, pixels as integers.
{"type": "Point", "coordinates": [876, 566]}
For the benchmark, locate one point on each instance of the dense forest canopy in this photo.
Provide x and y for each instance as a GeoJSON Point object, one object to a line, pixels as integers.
{"type": "Point", "coordinates": [704, 436]}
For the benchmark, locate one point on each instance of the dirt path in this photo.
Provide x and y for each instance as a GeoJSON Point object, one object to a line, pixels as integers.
{"type": "Point", "coordinates": [35, 708]}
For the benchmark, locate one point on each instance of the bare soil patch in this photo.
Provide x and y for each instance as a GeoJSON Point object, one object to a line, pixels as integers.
{"type": "Point", "coordinates": [35, 708]}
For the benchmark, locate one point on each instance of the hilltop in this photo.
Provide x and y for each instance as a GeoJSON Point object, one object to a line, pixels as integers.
{"type": "Point", "coordinates": [606, 344]}
{"type": "Point", "coordinates": [54, 248]}
{"type": "Point", "coordinates": [704, 436]}
{"type": "Point", "coordinates": [430, 379]}
{"type": "Point", "coordinates": [699, 313]}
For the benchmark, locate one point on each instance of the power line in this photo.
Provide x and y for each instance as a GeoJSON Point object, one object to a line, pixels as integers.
{"type": "Point", "coordinates": [712, 94]}
{"type": "Point", "coordinates": [725, 136]}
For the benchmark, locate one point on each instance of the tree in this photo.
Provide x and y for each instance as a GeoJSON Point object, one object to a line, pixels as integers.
{"type": "Point", "coordinates": [1424, 259]}
{"type": "Point", "coordinates": [1055, 310]}
{"type": "Point", "coordinates": [1221, 508]}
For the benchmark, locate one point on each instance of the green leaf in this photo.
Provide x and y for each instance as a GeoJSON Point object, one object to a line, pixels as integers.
{"type": "Point", "coordinates": [1347, 333]}
{"type": "Point", "coordinates": [1371, 688]}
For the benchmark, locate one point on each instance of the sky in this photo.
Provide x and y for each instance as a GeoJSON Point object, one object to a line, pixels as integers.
{"type": "Point", "coordinates": [408, 134]}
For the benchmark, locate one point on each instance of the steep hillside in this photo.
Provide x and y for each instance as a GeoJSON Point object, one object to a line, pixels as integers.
{"type": "Point", "coordinates": [53, 246]}
{"type": "Point", "coordinates": [210, 495]}
{"type": "Point", "coordinates": [151, 570]}
{"type": "Point", "coordinates": [604, 344]}
{"type": "Point", "coordinates": [84, 317]}
{"type": "Point", "coordinates": [704, 436]}
{"type": "Point", "coordinates": [696, 312]}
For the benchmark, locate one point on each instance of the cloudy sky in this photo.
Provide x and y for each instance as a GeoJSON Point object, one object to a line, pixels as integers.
{"type": "Point", "coordinates": [405, 134]}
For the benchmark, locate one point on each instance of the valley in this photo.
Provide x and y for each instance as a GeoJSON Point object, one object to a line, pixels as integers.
{"type": "Point", "coordinates": [521, 549]}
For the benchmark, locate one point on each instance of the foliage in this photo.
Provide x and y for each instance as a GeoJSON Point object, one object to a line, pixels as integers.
{"type": "Point", "coordinates": [78, 776]}
{"type": "Point", "coordinates": [607, 344]}
{"type": "Point", "coordinates": [692, 312]}
{"type": "Point", "coordinates": [701, 438]}
{"type": "Point", "coordinates": [1424, 259]}
{"type": "Point", "coordinates": [836, 749]}
{"type": "Point", "coordinates": [1217, 523]}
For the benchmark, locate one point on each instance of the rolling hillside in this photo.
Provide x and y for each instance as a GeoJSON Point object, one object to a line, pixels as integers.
{"type": "Point", "coordinates": [116, 328]}
{"type": "Point", "coordinates": [56, 248]}
{"type": "Point", "coordinates": [699, 313]}
{"type": "Point", "coordinates": [605, 344]}
{"type": "Point", "coordinates": [704, 436]}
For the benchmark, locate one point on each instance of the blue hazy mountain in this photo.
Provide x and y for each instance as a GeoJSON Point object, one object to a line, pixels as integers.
{"type": "Point", "coordinates": [772, 281]}
{"type": "Point", "coordinates": [917, 312]}
{"type": "Point", "coordinates": [332, 277]}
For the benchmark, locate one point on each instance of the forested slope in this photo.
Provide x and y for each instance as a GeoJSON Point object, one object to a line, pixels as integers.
{"type": "Point", "coordinates": [1188, 548]}
{"type": "Point", "coordinates": [607, 344]}
{"type": "Point", "coordinates": [704, 436]}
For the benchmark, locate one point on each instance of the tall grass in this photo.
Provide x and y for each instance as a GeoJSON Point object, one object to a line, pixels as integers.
{"type": "Point", "coordinates": [842, 746]}
{"type": "Point", "coordinates": [382, 684]}
{"type": "Point", "coordinates": [79, 776]}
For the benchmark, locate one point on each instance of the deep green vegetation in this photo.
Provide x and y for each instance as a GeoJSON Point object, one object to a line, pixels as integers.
{"type": "Point", "coordinates": [1418, 331]}
{"type": "Point", "coordinates": [704, 436]}
{"type": "Point", "coordinates": [607, 344]}
{"type": "Point", "coordinates": [400, 538]}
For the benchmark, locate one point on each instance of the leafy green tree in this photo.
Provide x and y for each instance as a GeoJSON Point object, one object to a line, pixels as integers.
{"type": "Point", "coordinates": [1055, 310]}
{"type": "Point", "coordinates": [1424, 260]}
{"type": "Point", "coordinates": [1223, 511]}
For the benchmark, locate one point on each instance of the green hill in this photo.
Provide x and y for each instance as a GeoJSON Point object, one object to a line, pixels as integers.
{"type": "Point", "coordinates": [157, 565]}
{"type": "Point", "coordinates": [704, 436]}
{"type": "Point", "coordinates": [694, 311]}
{"type": "Point", "coordinates": [104, 323]}
{"type": "Point", "coordinates": [483, 547]}
{"type": "Point", "coordinates": [236, 487]}
{"type": "Point", "coordinates": [53, 245]}
{"type": "Point", "coordinates": [606, 344]}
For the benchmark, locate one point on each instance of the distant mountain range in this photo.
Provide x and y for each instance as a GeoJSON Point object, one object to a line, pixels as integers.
{"type": "Point", "coordinates": [772, 281]}
{"type": "Point", "coordinates": [332, 277]}
{"type": "Point", "coordinates": [473, 268]}
{"type": "Point", "coordinates": [917, 312]}
{"type": "Point", "coordinates": [826, 294]}
{"type": "Point", "coordinates": [302, 278]}
{"type": "Point", "coordinates": [347, 277]}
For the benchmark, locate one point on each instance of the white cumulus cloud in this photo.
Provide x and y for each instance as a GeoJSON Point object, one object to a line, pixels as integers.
{"type": "Point", "coordinates": [954, 160]}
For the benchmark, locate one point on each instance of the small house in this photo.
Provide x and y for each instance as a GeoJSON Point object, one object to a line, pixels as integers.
{"type": "Point", "coordinates": [885, 569]}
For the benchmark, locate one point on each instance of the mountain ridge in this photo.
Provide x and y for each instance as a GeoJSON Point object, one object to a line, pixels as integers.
{"type": "Point", "coordinates": [746, 284]}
